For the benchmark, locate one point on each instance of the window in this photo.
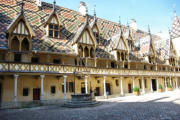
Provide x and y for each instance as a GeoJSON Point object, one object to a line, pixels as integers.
{"type": "Point", "coordinates": [126, 66]}
{"type": "Point", "coordinates": [56, 61]}
{"type": "Point", "coordinates": [98, 81]}
{"type": "Point", "coordinates": [97, 36]}
{"type": "Point", "coordinates": [75, 61]}
{"type": "Point", "coordinates": [112, 65]}
{"type": "Point", "coordinates": [35, 60]}
{"type": "Point", "coordinates": [71, 87]}
{"type": "Point", "coordinates": [17, 57]}
{"type": "Point", "coordinates": [54, 30]}
{"type": "Point", "coordinates": [117, 83]}
{"type": "Point", "coordinates": [25, 91]}
{"type": "Point", "coordinates": [145, 67]}
{"type": "Point", "coordinates": [53, 89]}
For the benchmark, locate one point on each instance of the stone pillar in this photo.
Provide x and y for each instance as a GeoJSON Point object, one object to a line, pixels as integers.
{"type": "Point", "coordinates": [151, 84]}
{"type": "Point", "coordinates": [15, 87]}
{"type": "Point", "coordinates": [176, 83]}
{"type": "Point", "coordinates": [121, 80]}
{"type": "Point", "coordinates": [143, 88]}
{"type": "Point", "coordinates": [166, 84]}
{"type": "Point", "coordinates": [170, 80]}
{"type": "Point", "coordinates": [86, 88]}
{"type": "Point", "coordinates": [104, 77]}
{"type": "Point", "coordinates": [157, 83]}
{"type": "Point", "coordinates": [65, 77]}
{"type": "Point", "coordinates": [133, 78]}
{"type": "Point", "coordinates": [42, 87]}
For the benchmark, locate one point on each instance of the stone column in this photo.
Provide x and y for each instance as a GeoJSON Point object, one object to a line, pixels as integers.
{"type": "Point", "coordinates": [143, 88]}
{"type": "Point", "coordinates": [170, 80]}
{"type": "Point", "coordinates": [104, 77]}
{"type": "Point", "coordinates": [151, 84]}
{"type": "Point", "coordinates": [86, 88]}
{"type": "Point", "coordinates": [176, 83]}
{"type": "Point", "coordinates": [42, 87]}
{"type": "Point", "coordinates": [133, 78]}
{"type": "Point", "coordinates": [65, 77]}
{"type": "Point", "coordinates": [157, 83]}
{"type": "Point", "coordinates": [121, 80]}
{"type": "Point", "coordinates": [166, 84]}
{"type": "Point", "coordinates": [15, 87]}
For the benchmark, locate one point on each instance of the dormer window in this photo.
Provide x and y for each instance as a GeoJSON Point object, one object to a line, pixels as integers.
{"type": "Point", "coordinates": [54, 30]}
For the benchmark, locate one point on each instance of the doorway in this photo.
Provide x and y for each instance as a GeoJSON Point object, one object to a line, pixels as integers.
{"type": "Point", "coordinates": [129, 88]}
{"type": "Point", "coordinates": [108, 89]}
{"type": "Point", "coordinates": [154, 86]}
{"type": "Point", "coordinates": [83, 90]}
{"type": "Point", "coordinates": [97, 91]}
{"type": "Point", "coordinates": [36, 93]}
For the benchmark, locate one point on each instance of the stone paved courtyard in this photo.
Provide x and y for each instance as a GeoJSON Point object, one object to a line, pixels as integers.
{"type": "Point", "coordinates": [151, 106]}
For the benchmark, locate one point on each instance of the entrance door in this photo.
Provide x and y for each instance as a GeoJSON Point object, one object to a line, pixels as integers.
{"type": "Point", "coordinates": [154, 85]}
{"type": "Point", "coordinates": [108, 88]}
{"type": "Point", "coordinates": [97, 91]}
{"type": "Point", "coordinates": [129, 88]}
{"type": "Point", "coordinates": [36, 94]}
{"type": "Point", "coordinates": [0, 93]}
{"type": "Point", "coordinates": [83, 90]}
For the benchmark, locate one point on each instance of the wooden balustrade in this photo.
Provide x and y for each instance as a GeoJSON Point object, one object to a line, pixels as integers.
{"type": "Point", "coordinates": [42, 68]}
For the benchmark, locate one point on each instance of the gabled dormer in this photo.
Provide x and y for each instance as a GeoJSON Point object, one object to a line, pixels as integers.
{"type": "Point", "coordinates": [20, 33]}
{"type": "Point", "coordinates": [84, 41]}
{"type": "Point", "coordinates": [53, 24]}
{"type": "Point", "coordinates": [173, 56]}
{"type": "Point", "coordinates": [119, 47]}
{"type": "Point", "coordinates": [129, 38]}
{"type": "Point", "coordinates": [151, 52]}
{"type": "Point", "coordinates": [95, 28]}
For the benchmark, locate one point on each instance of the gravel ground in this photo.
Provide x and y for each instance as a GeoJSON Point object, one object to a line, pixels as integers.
{"type": "Point", "coordinates": [152, 106]}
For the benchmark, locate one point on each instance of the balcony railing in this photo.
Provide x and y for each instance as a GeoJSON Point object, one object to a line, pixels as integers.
{"type": "Point", "coordinates": [62, 69]}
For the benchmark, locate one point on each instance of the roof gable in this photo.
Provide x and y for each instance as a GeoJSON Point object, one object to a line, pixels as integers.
{"type": "Point", "coordinates": [53, 18]}
{"type": "Point", "coordinates": [20, 26]}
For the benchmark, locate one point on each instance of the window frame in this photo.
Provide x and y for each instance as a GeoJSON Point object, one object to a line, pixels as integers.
{"type": "Point", "coordinates": [54, 30]}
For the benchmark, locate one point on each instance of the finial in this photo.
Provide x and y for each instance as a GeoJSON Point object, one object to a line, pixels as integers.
{"type": "Point", "coordinates": [54, 5]}
{"type": "Point", "coordinates": [119, 21]}
{"type": "Point", "coordinates": [22, 6]}
{"type": "Point", "coordinates": [174, 9]}
{"type": "Point", "coordinates": [127, 23]}
{"type": "Point", "coordinates": [149, 29]}
{"type": "Point", "coordinates": [95, 12]}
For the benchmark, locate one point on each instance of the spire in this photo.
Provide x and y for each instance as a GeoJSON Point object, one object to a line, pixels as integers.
{"type": "Point", "coordinates": [54, 5]}
{"type": "Point", "coordinates": [119, 21]}
{"type": "Point", "coordinates": [149, 31]}
{"type": "Point", "coordinates": [94, 12]}
{"type": "Point", "coordinates": [22, 7]}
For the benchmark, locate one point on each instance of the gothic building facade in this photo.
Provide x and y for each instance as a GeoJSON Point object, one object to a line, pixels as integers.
{"type": "Point", "coordinates": [48, 52]}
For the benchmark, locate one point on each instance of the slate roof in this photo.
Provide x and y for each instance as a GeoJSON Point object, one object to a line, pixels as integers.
{"type": "Point", "coordinates": [71, 22]}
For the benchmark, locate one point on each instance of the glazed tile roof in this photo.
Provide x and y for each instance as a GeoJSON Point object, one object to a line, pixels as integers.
{"type": "Point", "coordinates": [175, 30]}
{"type": "Point", "coordinates": [71, 22]}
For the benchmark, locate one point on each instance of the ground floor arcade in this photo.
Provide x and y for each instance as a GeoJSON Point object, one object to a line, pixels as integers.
{"type": "Point", "coordinates": [22, 87]}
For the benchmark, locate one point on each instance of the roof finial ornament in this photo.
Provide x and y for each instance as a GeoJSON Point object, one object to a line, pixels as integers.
{"type": "Point", "coordinates": [174, 9]}
{"type": "Point", "coordinates": [22, 6]}
{"type": "Point", "coordinates": [94, 12]}
{"type": "Point", "coordinates": [54, 5]}
{"type": "Point", "coordinates": [149, 29]}
{"type": "Point", "coordinates": [87, 16]}
{"type": "Point", "coordinates": [119, 21]}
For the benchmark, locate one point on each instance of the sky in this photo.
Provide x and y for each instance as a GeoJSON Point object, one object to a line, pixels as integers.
{"type": "Point", "coordinates": [156, 13]}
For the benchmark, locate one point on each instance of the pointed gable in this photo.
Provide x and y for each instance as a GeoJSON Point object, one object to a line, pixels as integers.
{"type": "Point", "coordinates": [53, 19]}
{"type": "Point", "coordinates": [172, 52]}
{"type": "Point", "coordinates": [85, 35]}
{"type": "Point", "coordinates": [152, 48]}
{"type": "Point", "coordinates": [94, 26]}
{"type": "Point", "coordinates": [20, 26]}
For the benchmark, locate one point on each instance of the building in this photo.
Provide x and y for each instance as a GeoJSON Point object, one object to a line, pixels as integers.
{"type": "Point", "coordinates": [48, 52]}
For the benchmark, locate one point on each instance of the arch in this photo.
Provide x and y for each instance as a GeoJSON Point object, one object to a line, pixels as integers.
{"type": "Point", "coordinates": [25, 45]}
{"type": "Point", "coordinates": [15, 44]}
{"type": "Point", "coordinates": [118, 56]}
{"type": "Point", "coordinates": [86, 52]}
{"type": "Point", "coordinates": [92, 53]}
{"type": "Point", "coordinates": [80, 50]}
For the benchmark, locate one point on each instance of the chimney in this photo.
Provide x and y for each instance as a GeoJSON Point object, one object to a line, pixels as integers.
{"type": "Point", "coordinates": [133, 24]}
{"type": "Point", "coordinates": [83, 8]}
{"type": "Point", "coordinates": [38, 3]}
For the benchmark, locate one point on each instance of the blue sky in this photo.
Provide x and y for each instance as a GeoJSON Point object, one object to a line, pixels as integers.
{"type": "Point", "coordinates": [157, 13]}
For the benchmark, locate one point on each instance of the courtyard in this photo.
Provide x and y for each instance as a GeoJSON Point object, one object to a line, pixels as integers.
{"type": "Point", "coordinates": [150, 106]}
